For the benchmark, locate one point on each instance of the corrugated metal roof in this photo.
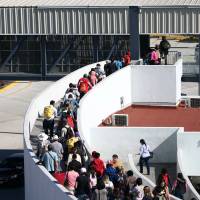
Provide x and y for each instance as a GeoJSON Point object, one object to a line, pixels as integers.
{"type": "Point", "coordinates": [97, 3]}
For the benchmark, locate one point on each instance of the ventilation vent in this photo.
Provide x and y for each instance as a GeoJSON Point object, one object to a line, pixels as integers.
{"type": "Point", "coordinates": [195, 102]}
{"type": "Point", "coordinates": [120, 120]}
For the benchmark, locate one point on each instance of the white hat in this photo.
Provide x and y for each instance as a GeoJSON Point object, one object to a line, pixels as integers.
{"type": "Point", "coordinates": [55, 137]}
{"type": "Point", "coordinates": [83, 170]}
{"type": "Point", "coordinates": [42, 136]}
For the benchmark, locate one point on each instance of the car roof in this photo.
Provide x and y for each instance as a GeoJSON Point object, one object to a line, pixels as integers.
{"type": "Point", "coordinates": [16, 155]}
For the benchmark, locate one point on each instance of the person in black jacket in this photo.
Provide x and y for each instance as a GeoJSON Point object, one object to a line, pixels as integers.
{"type": "Point", "coordinates": [179, 186]}
{"type": "Point", "coordinates": [75, 164]}
{"type": "Point", "coordinates": [164, 48]}
{"type": "Point", "coordinates": [83, 190]}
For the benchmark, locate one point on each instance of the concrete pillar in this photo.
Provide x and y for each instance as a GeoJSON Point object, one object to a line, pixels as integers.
{"type": "Point", "coordinates": [43, 57]}
{"type": "Point", "coordinates": [134, 32]}
{"type": "Point", "coordinates": [144, 45]}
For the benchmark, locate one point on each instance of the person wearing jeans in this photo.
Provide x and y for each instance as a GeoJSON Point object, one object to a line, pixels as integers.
{"type": "Point", "coordinates": [144, 156]}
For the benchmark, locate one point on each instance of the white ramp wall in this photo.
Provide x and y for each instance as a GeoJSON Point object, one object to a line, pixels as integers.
{"type": "Point", "coordinates": [141, 84]}
{"type": "Point", "coordinates": [103, 100]}
{"type": "Point", "coordinates": [188, 154]}
{"type": "Point", "coordinates": [189, 144]}
{"type": "Point", "coordinates": [122, 141]}
{"type": "Point", "coordinates": [157, 83]}
{"type": "Point", "coordinates": [39, 185]}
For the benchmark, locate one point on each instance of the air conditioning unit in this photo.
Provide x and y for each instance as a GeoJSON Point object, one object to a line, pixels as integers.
{"type": "Point", "coordinates": [120, 120]}
{"type": "Point", "coordinates": [195, 102]}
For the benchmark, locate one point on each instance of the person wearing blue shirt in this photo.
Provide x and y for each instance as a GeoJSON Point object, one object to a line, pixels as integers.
{"type": "Point", "coordinates": [50, 160]}
{"type": "Point", "coordinates": [118, 64]}
{"type": "Point", "coordinates": [112, 173]}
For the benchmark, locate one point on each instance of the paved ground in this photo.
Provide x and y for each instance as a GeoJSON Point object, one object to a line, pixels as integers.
{"type": "Point", "coordinates": [13, 105]}
{"type": "Point", "coordinates": [163, 116]}
{"type": "Point", "coordinates": [187, 49]}
{"type": "Point", "coordinates": [190, 88]}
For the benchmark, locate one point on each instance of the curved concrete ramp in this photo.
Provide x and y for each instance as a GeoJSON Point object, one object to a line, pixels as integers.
{"type": "Point", "coordinates": [188, 154]}
{"type": "Point", "coordinates": [14, 102]}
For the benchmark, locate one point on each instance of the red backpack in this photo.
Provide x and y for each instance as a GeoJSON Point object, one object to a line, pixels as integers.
{"type": "Point", "coordinates": [70, 121]}
{"type": "Point", "coordinates": [83, 87]}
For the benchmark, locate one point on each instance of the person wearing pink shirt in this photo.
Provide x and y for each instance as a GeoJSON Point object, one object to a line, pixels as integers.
{"type": "Point", "coordinates": [93, 77]}
{"type": "Point", "coordinates": [70, 179]}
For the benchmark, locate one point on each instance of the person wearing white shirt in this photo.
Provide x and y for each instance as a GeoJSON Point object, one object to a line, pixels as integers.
{"type": "Point", "coordinates": [144, 156]}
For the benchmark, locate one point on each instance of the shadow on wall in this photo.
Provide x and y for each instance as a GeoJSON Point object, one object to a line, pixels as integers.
{"type": "Point", "coordinates": [166, 152]}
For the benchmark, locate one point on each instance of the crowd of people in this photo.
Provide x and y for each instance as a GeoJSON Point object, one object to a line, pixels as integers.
{"type": "Point", "coordinates": [155, 55]}
{"type": "Point", "coordinates": [87, 176]}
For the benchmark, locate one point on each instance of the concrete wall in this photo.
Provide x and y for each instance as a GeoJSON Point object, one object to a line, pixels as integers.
{"type": "Point", "coordinates": [179, 73]}
{"type": "Point", "coordinates": [188, 148]}
{"type": "Point", "coordinates": [143, 84]}
{"type": "Point", "coordinates": [122, 141]}
{"type": "Point", "coordinates": [39, 184]}
{"type": "Point", "coordinates": [188, 153]}
{"type": "Point", "coordinates": [103, 100]}
{"type": "Point", "coordinates": [157, 83]}
{"type": "Point", "coordinates": [191, 192]}
{"type": "Point", "coordinates": [189, 144]}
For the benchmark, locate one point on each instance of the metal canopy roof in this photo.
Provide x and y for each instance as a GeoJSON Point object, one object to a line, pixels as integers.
{"type": "Point", "coordinates": [96, 3]}
{"type": "Point", "coordinates": [98, 17]}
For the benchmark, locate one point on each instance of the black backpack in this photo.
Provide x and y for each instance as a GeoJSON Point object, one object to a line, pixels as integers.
{"type": "Point", "coordinates": [165, 45]}
{"type": "Point", "coordinates": [180, 187]}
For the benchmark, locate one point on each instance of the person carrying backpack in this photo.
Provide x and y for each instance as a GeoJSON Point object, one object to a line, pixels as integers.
{"type": "Point", "coordinates": [84, 85]}
{"type": "Point", "coordinates": [164, 48]}
{"type": "Point", "coordinates": [97, 164]}
{"type": "Point", "coordinates": [179, 186]}
{"type": "Point", "coordinates": [144, 156]}
{"type": "Point", "coordinates": [50, 112]}
{"type": "Point", "coordinates": [127, 58]}
{"type": "Point", "coordinates": [164, 176]}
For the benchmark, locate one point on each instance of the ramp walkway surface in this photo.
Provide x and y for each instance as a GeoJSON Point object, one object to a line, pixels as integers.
{"type": "Point", "coordinates": [14, 102]}
{"type": "Point", "coordinates": [13, 105]}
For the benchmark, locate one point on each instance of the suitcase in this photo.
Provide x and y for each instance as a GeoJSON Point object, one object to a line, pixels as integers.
{"type": "Point", "coordinates": [60, 177]}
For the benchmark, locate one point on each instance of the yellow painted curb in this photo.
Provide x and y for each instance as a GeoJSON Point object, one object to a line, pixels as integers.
{"type": "Point", "coordinates": [8, 87]}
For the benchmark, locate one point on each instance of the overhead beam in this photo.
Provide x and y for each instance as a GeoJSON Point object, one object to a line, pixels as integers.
{"type": "Point", "coordinates": [113, 48]}
{"type": "Point", "coordinates": [14, 50]}
{"type": "Point", "coordinates": [64, 52]}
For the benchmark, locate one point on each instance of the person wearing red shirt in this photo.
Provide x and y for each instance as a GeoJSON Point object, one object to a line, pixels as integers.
{"type": "Point", "coordinates": [127, 58]}
{"type": "Point", "coordinates": [164, 176]}
{"type": "Point", "coordinates": [84, 85]}
{"type": "Point", "coordinates": [97, 164]}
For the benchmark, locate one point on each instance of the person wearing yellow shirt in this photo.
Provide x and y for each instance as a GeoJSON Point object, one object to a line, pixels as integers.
{"type": "Point", "coordinates": [71, 141]}
{"type": "Point", "coordinates": [116, 163]}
